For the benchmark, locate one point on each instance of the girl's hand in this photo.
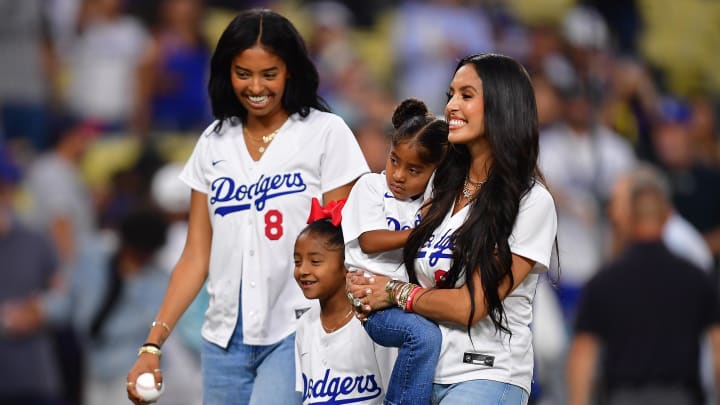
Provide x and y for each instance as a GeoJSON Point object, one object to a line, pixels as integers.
{"type": "Point", "coordinates": [146, 363]}
{"type": "Point", "coordinates": [368, 292]}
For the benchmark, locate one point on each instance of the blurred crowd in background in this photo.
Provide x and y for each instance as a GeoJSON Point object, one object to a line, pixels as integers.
{"type": "Point", "coordinates": [102, 100]}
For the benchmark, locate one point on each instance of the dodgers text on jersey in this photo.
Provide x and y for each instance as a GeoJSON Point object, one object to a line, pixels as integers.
{"type": "Point", "coordinates": [338, 390]}
{"type": "Point", "coordinates": [442, 249]}
{"type": "Point", "coordinates": [243, 196]}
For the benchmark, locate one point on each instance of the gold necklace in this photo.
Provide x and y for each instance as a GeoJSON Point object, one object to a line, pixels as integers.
{"type": "Point", "coordinates": [467, 193]}
{"type": "Point", "coordinates": [266, 139]}
{"type": "Point", "coordinates": [342, 322]}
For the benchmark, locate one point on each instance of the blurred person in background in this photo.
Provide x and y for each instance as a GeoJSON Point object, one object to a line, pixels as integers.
{"type": "Point", "coordinates": [174, 84]}
{"type": "Point", "coordinates": [428, 37]}
{"type": "Point", "coordinates": [549, 104]}
{"type": "Point", "coordinates": [581, 158]}
{"type": "Point", "coordinates": [631, 105]}
{"type": "Point", "coordinates": [625, 20]}
{"type": "Point", "coordinates": [27, 72]}
{"type": "Point", "coordinates": [621, 328]}
{"type": "Point", "coordinates": [103, 63]}
{"type": "Point", "coordinates": [679, 235]}
{"type": "Point", "coordinates": [113, 316]}
{"type": "Point", "coordinates": [704, 129]}
{"type": "Point", "coordinates": [348, 85]}
{"type": "Point", "coordinates": [29, 370]}
{"type": "Point", "coordinates": [330, 46]}
{"type": "Point", "coordinates": [60, 201]}
{"type": "Point", "coordinates": [110, 299]}
{"type": "Point", "coordinates": [587, 47]}
{"type": "Point", "coordinates": [544, 53]}
{"type": "Point", "coordinates": [694, 184]}
{"type": "Point", "coordinates": [61, 206]}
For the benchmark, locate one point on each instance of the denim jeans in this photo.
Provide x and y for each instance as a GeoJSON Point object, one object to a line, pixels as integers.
{"type": "Point", "coordinates": [418, 340]}
{"type": "Point", "coordinates": [479, 392]}
{"type": "Point", "coordinates": [246, 374]}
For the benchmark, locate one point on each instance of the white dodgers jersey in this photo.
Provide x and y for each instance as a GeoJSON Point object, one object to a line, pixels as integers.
{"type": "Point", "coordinates": [342, 367]}
{"type": "Point", "coordinates": [504, 358]}
{"type": "Point", "coordinates": [372, 206]}
{"type": "Point", "coordinates": [257, 209]}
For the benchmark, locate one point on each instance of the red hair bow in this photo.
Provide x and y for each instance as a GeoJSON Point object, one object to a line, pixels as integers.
{"type": "Point", "coordinates": [332, 211]}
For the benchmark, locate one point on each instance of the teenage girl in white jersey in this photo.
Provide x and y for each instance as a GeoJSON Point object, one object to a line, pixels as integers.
{"type": "Point", "coordinates": [379, 214]}
{"type": "Point", "coordinates": [336, 360]}
{"type": "Point", "coordinates": [487, 234]}
{"type": "Point", "coordinates": [253, 173]}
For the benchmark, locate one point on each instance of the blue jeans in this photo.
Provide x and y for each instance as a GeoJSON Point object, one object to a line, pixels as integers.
{"type": "Point", "coordinates": [246, 374]}
{"type": "Point", "coordinates": [479, 392]}
{"type": "Point", "coordinates": [418, 340]}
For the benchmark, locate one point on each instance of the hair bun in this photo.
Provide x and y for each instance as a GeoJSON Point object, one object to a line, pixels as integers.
{"type": "Point", "coordinates": [408, 108]}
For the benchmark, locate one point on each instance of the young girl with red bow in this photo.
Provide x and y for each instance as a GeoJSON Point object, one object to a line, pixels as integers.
{"type": "Point", "coordinates": [336, 361]}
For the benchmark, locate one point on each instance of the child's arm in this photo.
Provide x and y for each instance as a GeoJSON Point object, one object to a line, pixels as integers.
{"type": "Point", "coordinates": [382, 240]}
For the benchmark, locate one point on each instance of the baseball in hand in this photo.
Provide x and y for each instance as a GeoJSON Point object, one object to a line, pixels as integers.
{"type": "Point", "coordinates": [146, 388]}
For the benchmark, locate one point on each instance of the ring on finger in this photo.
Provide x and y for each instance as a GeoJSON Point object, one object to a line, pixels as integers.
{"type": "Point", "coordinates": [156, 370]}
{"type": "Point", "coordinates": [130, 384]}
{"type": "Point", "coordinates": [350, 296]}
{"type": "Point", "coordinates": [356, 302]}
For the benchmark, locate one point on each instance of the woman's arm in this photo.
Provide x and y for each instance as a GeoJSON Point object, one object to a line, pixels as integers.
{"type": "Point", "coordinates": [191, 269]}
{"type": "Point", "coordinates": [186, 280]}
{"type": "Point", "coordinates": [448, 305]}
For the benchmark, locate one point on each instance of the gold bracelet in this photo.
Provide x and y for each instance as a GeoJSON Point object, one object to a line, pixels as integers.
{"type": "Point", "coordinates": [160, 323]}
{"type": "Point", "coordinates": [149, 349]}
{"type": "Point", "coordinates": [390, 289]}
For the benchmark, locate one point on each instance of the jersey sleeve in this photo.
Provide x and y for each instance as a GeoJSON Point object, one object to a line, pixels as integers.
{"type": "Point", "coordinates": [535, 228]}
{"type": "Point", "coordinates": [193, 174]}
{"type": "Point", "coordinates": [364, 208]}
{"type": "Point", "coordinates": [342, 160]}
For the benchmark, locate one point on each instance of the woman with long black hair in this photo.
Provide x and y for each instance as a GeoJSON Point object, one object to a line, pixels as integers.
{"type": "Point", "coordinates": [475, 259]}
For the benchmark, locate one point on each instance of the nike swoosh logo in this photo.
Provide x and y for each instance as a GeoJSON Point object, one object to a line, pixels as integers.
{"type": "Point", "coordinates": [389, 195]}
{"type": "Point", "coordinates": [214, 162]}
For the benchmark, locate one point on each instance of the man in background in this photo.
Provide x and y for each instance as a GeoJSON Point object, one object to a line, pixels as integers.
{"type": "Point", "coordinates": [645, 313]}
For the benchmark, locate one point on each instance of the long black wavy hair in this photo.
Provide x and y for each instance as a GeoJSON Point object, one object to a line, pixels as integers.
{"type": "Point", "coordinates": [481, 243]}
{"type": "Point", "coordinates": [279, 36]}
